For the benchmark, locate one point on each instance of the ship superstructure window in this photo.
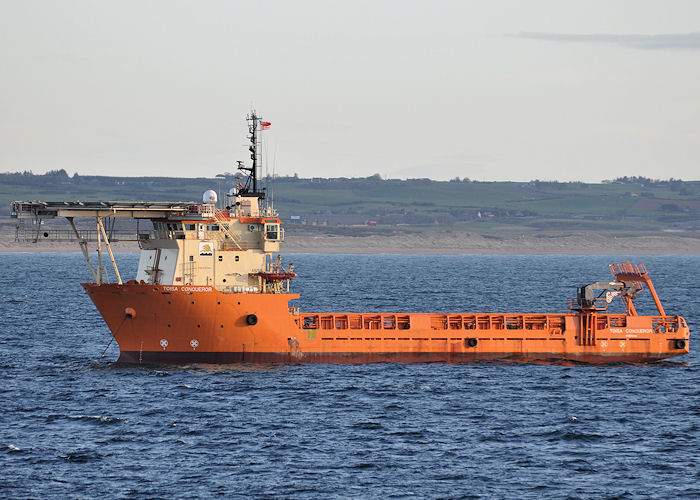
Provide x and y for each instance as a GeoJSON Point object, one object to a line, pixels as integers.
{"type": "Point", "coordinates": [212, 227]}
{"type": "Point", "coordinates": [164, 228]}
{"type": "Point", "coordinates": [191, 227]}
{"type": "Point", "coordinates": [272, 231]}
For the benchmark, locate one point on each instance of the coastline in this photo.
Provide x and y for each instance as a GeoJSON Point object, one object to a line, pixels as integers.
{"type": "Point", "coordinates": [446, 243]}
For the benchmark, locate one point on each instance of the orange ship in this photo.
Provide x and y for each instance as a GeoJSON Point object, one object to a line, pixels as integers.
{"type": "Point", "coordinates": [209, 289]}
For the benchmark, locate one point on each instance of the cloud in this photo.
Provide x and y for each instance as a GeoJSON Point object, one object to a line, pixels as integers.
{"type": "Point", "coordinates": [686, 41]}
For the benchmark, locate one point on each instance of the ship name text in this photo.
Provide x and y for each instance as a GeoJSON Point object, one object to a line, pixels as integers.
{"type": "Point", "coordinates": [631, 330]}
{"type": "Point", "coordinates": [187, 288]}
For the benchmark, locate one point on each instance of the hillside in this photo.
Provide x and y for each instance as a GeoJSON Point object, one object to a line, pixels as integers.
{"type": "Point", "coordinates": [626, 205]}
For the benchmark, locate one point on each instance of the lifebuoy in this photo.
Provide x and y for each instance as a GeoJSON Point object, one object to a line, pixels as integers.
{"type": "Point", "coordinates": [251, 319]}
{"type": "Point", "coordinates": [680, 344]}
{"type": "Point", "coordinates": [472, 342]}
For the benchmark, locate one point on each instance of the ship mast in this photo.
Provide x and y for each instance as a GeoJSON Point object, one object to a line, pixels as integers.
{"type": "Point", "coordinates": [250, 188]}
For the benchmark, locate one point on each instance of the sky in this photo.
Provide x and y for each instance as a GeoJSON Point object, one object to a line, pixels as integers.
{"type": "Point", "coordinates": [562, 90]}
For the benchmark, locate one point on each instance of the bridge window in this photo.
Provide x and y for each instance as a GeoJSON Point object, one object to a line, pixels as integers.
{"type": "Point", "coordinates": [271, 231]}
{"type": "Point", "coordinates": [191, 227]}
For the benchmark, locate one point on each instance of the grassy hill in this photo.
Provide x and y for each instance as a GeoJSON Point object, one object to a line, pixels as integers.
{"type": "Point", "coordinates": [629, 206]}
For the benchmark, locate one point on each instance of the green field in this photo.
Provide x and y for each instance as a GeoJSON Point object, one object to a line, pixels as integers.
{"type": "Point", "coordinates": [626, 205]}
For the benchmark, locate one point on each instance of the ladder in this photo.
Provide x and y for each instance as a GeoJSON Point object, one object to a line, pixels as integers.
{"type": "Point", "coordinates": [225, 224]}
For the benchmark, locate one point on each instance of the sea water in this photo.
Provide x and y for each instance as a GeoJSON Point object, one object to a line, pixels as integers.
{"type": "Point", "coordinates": [73, 425]}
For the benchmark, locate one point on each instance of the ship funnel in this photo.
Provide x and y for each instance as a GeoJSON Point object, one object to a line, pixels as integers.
{"type": "Point", "coordinates": [209, 196]}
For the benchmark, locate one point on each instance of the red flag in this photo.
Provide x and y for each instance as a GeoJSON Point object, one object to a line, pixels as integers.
{"type": "Point", "coordinates": [265, 125]}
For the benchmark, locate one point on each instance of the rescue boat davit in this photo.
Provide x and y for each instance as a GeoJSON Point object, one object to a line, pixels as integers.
{"type": "Point", "coordinates": [211, 288]}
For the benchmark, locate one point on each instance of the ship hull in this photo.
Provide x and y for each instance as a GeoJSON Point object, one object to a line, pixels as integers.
{"type": "Point", "coordinates": [181, 358]}
{"type": "Point", "coordinates": [198, 324]}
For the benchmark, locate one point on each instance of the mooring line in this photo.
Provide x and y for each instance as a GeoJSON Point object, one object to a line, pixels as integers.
{"type": "Point", "coordinates": [112, 339]}
{"type": "Point", "coordinates": [103, 352]}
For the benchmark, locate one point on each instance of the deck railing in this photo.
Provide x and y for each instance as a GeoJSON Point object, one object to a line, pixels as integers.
{"type": "Point", "coordinates": [30, 235]}
{"type": "Point", "coordinates": [432, 321]}
{"type": "Point", "coordinates": [552, 323]}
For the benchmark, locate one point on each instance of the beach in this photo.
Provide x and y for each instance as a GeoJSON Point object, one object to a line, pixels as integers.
{"type": "Point", "coordinates": [449, 242]}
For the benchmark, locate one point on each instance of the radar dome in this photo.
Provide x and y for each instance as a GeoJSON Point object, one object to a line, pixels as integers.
{"type": "Point", "coordinates": [209, 196]}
